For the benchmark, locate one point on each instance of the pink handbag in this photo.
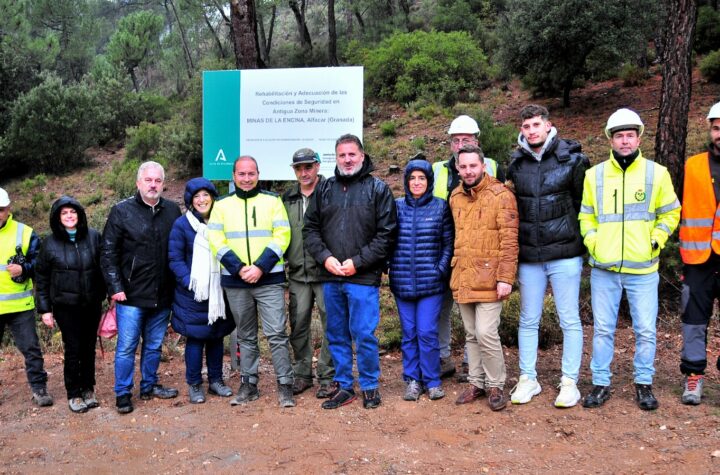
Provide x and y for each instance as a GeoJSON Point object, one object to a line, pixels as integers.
{"type": "Point", "coordinates": [108, 323]}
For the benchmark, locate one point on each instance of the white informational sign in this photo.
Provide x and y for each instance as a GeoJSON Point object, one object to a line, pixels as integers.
{"type": "Point", "coordinates": [281, 111]}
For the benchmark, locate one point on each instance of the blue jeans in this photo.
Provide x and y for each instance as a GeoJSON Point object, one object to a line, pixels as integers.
{"type": "Point", "coordinates": [564, 277]}
{"type": "Point", "coordinates": [642, 295]}
{"type": "Point", "coordinates": [353, 314]}
{"type": "Point", "coordinates": [133, 323]}
{"type": "Point", "coordinates": [420, 350]}
{"type": "Point", "coordinates": [194, 358]}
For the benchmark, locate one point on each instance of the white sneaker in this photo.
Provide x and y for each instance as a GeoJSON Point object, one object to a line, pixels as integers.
{"type": "Point", "coordinates": [524, 390]}
{"type": "Point", "coordinates": [569, 394]}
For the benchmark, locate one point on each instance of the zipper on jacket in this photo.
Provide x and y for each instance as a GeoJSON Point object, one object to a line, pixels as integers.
{"type": "Point", "coordinates": [247, 233]}
{"type": "Point", "coordinates": [622, 229]}
{"type": "Point", "coordinates": [301, 206]}
{"type": "Point", "coordinates": [412, 250]}
{"type": "Point", "coordinates": [254, 218]}
{"type": "Point", "coordinates": [132, 269]}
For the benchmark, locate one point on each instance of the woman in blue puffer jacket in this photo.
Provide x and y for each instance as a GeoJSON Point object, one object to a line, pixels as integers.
{"type": "Point", "coordinates": [199, 310]}
{"type": "Point", "coordinates": [419, 272]}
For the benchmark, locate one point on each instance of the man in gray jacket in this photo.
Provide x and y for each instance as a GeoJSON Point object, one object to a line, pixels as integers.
{"type": "Point", "coordinates": [304, 283]}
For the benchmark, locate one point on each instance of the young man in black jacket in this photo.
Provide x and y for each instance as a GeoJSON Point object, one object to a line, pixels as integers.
{"type": "Point", "coordinates": [547, 174]}
{"type": "Point", "coordinates": [134, 261]}
{"type": "Point", "coordinates": [349, 229]}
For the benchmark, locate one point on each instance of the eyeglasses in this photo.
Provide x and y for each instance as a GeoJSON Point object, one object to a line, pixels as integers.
{"type": "Point", "coordinates": [464, 141]}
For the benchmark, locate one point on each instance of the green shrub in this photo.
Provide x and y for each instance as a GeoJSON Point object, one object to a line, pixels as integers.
{"type": "Point", "coordinates": [434, 65]}
{"type": "Point", "coordinates": [710, 66]}
{"type": "Point", "coordinates": [388, 128]}
{"type": "Point", "coordinates": [143, 141]}
{"type": "Point", "coordinates": [707, 30]}
{"type": "Point", "coordinates": [51, 126]}
{"type": "Point", "coordinates": [121, 179]}
{"type": "Point", "coordinates": [496, 140]}
{"type": "Point", "coordinates": [633, 75]}
{"type": "Point", "coordinates": [418, 143]}
{"type": "Point", "coordinates": [181, 144]}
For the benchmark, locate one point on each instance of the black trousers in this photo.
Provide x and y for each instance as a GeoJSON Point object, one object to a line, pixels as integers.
{"type": "Point", "coordinates": [22, 327]}
{"type": "Point", "coordinates": [701, 286]}
{"type": "Point", "coordinates": [78, 325]}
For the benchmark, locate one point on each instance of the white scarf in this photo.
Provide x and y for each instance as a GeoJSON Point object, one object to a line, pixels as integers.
{"type": "Point", "coordinates": [205, 272]}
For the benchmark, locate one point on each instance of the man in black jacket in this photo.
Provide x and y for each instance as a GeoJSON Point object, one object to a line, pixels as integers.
{"type": "Point", "coordinates": [135, 266]}
{"type": "Point", "coordinates": [547, 173]}
{"type": "Point", "coordinates": [349, 229]}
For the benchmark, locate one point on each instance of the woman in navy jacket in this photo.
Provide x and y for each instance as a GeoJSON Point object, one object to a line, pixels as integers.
{"type": "Point", "coordinates": [419, 272]}
{"type": "Point", "coordinates": [199, 307]}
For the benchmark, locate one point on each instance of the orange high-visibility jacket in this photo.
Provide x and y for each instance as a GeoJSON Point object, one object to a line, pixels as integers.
{"type": "Point", "coordinates": [700, 225]}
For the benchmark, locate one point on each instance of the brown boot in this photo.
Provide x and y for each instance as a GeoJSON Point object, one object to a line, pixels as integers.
{"type": "Point", "coordinates": [470, 394]}
{"type": "Point", "coordinates": [496, 399]}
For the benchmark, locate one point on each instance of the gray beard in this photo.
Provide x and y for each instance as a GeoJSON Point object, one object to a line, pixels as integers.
{"type": "Point", "coordinates": [351, 172]}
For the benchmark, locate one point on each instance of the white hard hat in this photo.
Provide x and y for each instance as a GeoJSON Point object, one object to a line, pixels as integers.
{"type": "Point", "coordinates": [714, 112]}
{"type": "Point", "coordinates": [463, 124]}
{"type": "Point", "coordinates": [4, 198]}
{"type": "Point", "coordinates": [623, 119]}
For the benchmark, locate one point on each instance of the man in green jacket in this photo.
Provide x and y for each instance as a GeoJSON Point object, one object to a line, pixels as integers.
{"type": "Point", "coordinates": [304, 284]}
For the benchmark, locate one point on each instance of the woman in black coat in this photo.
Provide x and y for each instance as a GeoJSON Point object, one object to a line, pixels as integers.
{"type": "Point", "coordinates": [69, 290]}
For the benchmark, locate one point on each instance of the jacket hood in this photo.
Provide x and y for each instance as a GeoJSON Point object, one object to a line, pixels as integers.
{"type": "Point", "coordinates": [424, 167]}
{"type": "Point", "coordinates": [57, 228]}
{"type": "Point", "coordinates": [522, 142]}
{"type": "Point", "coordinates": [366, 168]}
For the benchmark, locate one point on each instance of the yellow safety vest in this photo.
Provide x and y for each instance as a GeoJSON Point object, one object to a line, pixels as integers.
{"type": "Point", "coordinates": [14, 297]}
{"type": "Point", "coordinates": [248, 226]}
{"type": "Point", "coordinates": [623, 212]}
{"type": "Point", "coordinates": [441, 173]}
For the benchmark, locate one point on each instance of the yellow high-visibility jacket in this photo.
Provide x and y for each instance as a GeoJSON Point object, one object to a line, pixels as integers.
{"type": "Point", "coordinates": [14, 297]}
{"type": "Point", "coordinates": [249, 228]}
{"type": "Point", "coordinates": [623, 213]}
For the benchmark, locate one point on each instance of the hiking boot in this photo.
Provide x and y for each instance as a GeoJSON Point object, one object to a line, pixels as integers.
{"type": "Point", "coordinates": [77, 405]}
{"type": "Point", "coordinates": [496, 399]}
{"type": "Point", "coordinates": [89, 398]}
{"type": "Point", "coordinates": [219, 388]}
{"type": "Point", "coordinates": [124, 404]}
{"type": "Point", "coordinates": [413, 390]}
{"type": "Point", "coordinates": [326, 390]}
{"type": "Point", "coordinates": [692, 389]}
{"type": "Point", "coordinates": [470, 394]}
{"type": "Point", "coordinates": [339, 397]}
{"type": "Point", "coordinates": [524, 390]}
{"type": "Point", "coordinates": [197, 396]}
{"type": "Point", "coordinates": [447, 367]}
{"type": "Point", "coordinates": [371, 398]}
{"type": "Point", "coordinates": [301, 385]}
{"type": "Point", "coordinates": [569, 394]}
{"type": "Point", "coordinates": [436, 393]}
{"type": "Point", "coordinates": [462, 376]}
{"type": "Point", "coordinates": [597, 396]}
{"type": "Point", "coordinates": [42, 398]}
{"type": "Point", "coordinates": [285, 395]}
{"type": "Point", "coordinates": [159, 391]}
{"type": "Point", "coordinates": [247, 392]}
{"type": "Point", "coordinates": [645, 398]}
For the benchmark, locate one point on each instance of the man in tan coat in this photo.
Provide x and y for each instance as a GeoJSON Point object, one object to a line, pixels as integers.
{"type": "Point", "coordinates": [483, 271]}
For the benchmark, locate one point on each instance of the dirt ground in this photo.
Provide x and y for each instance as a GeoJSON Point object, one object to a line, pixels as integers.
{"type": "Point", "coordinates": [174, 436]}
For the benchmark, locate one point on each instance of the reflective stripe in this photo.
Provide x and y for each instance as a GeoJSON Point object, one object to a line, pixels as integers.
{"type": "Point", "coordinates": [639, 216]}
{"type": "Point", "coordinates": [628, 264]}
{"type": "Point", "coordinates": [664, 209]}
{"type": "Point", "coordinates": [591, 231]}
{"type": "Point", "coordinates": [19, 235]}
{"type": "Point", "coordinates": [610, 218]}
{"type": "Point", "coordinates": [697, 222]}
{"type": "Point", "coordinates": [224, 271]}
{"type": "Point", "coordinates": [587, 209]}
{"type": "Point", "coordinates": [275, 248]}
{"type": "Point", "coordinates": [250, 234]}
{"type": "Point", "coordinates": [17, 296]}
{"type": "Point", "coordinates": [695, 245]}
{"type": "Point", "coordinates": [216, 226]}
{"type": "Point", "coordinates": [600, 187]}
{"type": "Point", "coordinates": [663, 227]}
{"type": "Point", "coordinates": [3, 267]}
{"type": "Point", "coordinates": [278, 268]}
{"type": "Point", "coordinates": [221, 252]}
{"type": "Point", "coordinates": [716, 235]}
{"type": "Point", "coordinates": [277, 224]}
{"type": "Point", "coordinates": [631, 211]}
